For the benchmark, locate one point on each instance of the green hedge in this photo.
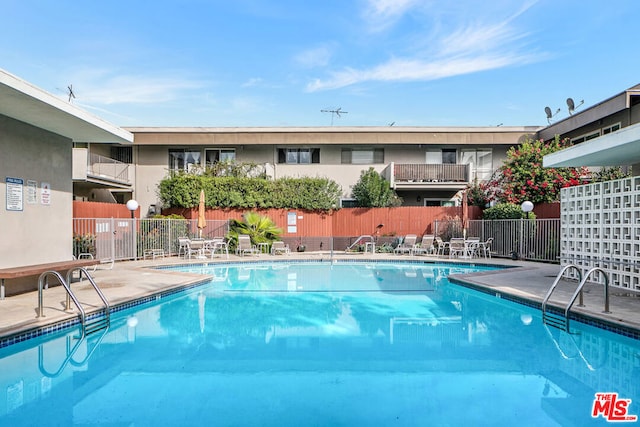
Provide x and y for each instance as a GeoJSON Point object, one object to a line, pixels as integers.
{"type": "Point", "coordinates": [506, 211]}
{"type": "Point", "coordinates": [183, 191]}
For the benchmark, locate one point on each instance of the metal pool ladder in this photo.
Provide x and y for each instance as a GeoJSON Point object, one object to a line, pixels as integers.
{"type": "Point", "coordinates": [561, 321]}
{"type": "Point", "coordinates": [87, 327]}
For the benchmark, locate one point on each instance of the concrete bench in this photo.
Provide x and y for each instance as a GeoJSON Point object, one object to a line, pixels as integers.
{"type": "Point", "coordinates": [37, 269]}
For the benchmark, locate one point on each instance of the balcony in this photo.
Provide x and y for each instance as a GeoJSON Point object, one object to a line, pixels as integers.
{"type": "Point", "coordinates": [90, 167]}
{"type": "Point", "coordinates": [428, 176]}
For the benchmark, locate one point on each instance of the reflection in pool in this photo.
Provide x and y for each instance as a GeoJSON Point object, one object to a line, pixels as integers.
{"type": "Point", "coordinates": [321, 344]}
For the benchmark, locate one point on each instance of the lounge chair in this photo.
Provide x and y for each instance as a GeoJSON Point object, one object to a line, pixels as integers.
{"type": "Point", "coordinates": [278, 247]}
{"type": "Point", "coordinates": [245, 246]}
{"type": "Point", "coordinates": [407, 245]}
{"type": "Point", "coordinates": [425, 246]}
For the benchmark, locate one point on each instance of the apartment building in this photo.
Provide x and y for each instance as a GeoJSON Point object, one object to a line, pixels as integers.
{"type": "Point", "coordinates": [427, 166]}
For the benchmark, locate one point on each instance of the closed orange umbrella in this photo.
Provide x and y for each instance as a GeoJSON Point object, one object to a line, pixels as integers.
{"type": "Point", "coordinates": [202, 221]}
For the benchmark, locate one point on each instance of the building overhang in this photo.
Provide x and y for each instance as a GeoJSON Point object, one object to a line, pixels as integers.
{"type": "Point", "coordinates": [334, 135]}
{"type": "Point", "coordinates": [621, 148]}
{"type": "Point", "coordinates": [29, 104]}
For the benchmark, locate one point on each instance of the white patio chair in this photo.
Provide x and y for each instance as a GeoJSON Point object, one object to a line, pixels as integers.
{"type": "Point", "coordinates": [278, 247]}
{"type": "Point", "coordinates": [245, 246]}
{"type": "Point", "coordinates": [425, 246]}
{"type": "Point", "coordinates": [406, 247]}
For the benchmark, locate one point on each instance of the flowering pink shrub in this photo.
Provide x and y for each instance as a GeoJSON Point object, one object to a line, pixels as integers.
{"type": "Point", "coordinates": [522, 176]}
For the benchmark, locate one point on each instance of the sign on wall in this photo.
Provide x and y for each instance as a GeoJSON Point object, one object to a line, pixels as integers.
{"type": "Point", "coordinates": [15, 198]}
{"type": "Point", "coordinates": [32, 192]}
{"type": "Point", "coordinates": [45, 193]}
{"type": "Point", "coordinates": [292, 222]}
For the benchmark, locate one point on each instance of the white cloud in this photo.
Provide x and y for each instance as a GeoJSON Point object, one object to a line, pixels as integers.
{"type": "Point", "coordinates": [469, 44]}
{"type": "Point", "coordinates": [382, 14]}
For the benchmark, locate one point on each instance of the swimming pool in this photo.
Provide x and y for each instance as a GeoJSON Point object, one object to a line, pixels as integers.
{"type": "Point", "coordinates": [321, 344]}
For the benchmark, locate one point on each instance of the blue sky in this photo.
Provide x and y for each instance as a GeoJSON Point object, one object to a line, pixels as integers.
{"type": "Point", "coordinates": [280, 62]}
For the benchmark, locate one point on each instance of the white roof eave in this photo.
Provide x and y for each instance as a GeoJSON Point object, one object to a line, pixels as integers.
{"type": "Point", "coordinates": [615, 149]}
{"type": "Point", "coordinates": [27, 103]}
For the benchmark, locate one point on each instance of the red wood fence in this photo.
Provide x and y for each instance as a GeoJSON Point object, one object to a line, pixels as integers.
{"type": "Point", "coordinates": [101, 210]}
{"type": "Point", "coordinates": [344, 222]}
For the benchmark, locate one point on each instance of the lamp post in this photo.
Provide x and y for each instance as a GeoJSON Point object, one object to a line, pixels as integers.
{"type": "Point", "coordinates": [133, 205]}
{"type": "Point", "coordinates": [526, 207]}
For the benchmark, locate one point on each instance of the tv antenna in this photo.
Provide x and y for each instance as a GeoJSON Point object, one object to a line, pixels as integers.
{"type": "Point", "coordinates": [70, 92]}
{"type": "Point", "coordinates": [335, 112]}
{"type": "Point", "coordinates": [550, 115]}
{"type": "Point", "coordinates": [572, 106]}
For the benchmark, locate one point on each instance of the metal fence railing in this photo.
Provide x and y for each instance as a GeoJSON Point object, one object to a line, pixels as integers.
{"type": "Point", "coordinates": [528, 239]}
{"type": "Point", "coordinates": [115, 239]}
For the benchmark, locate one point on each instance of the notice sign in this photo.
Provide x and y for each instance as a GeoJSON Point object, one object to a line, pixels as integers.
{"type": "Point", "coordinates": [45, 193]}
{"type": "Point", "coordinates": [291, 222]}
{"type": "Point", "coordinates": [32, 192]}
{"type": "Point", "coordinates": [15, 199]}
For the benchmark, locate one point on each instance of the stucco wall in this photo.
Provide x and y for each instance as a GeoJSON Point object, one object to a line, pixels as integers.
{"type": "Point", "coordinates": [152, 162]}
{"type": "Point", "coordinates": [39, 233]}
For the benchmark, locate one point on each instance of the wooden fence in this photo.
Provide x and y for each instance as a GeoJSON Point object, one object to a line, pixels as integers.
{"type": "Point", "coordinates": [101, 210]}
{"type": "Point", "coordinates": [344, 222]}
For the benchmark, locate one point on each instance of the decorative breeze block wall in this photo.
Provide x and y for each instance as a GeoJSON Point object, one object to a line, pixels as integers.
{"type": "Point", "coordinates": [600, 227]}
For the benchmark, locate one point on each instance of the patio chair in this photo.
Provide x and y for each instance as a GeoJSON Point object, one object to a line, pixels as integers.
{"type": "Point", "coordinates": [425, 246]}
{"type": "Point", "coordinates": [407, 244]}
{"type": "Point", "coordinates": [484, 248]}
{"type": "Point", "coordinates": [217, 245]}
{"type": "Point", "coordinates": [442, 247]}
{"type": "Point", "coordinates": [472, 247]}
{"type": "Point", "coordinates": [183, 245]}
{"type": "Point", "coordinates": [195, 247]}
{"type": "Point", "coordinates": [457, 247]}
{"type": "Point", "coordinates": [278, 247]}
{"type": "Point", "coordinates": [245, 246]}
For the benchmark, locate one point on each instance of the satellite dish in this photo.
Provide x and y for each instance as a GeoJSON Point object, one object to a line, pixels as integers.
{"type": "Point", "coordinates": [572, 106]}
{"type": "Point", "coordinates": [549, 114]}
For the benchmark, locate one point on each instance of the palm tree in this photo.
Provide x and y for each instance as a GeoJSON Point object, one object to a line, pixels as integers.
{"type": "Point", "coordinates": [260, 228]}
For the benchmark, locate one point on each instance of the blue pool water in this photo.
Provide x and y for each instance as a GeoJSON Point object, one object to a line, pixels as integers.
{"type": "Point", "coordinates": [316, 344]}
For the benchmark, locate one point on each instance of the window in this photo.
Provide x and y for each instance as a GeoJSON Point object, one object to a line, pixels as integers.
{"type": "Point", "coordinates": [362, 156]}
{"type": "Point", "coordinates": [122, 154]}
{"type": "Point", "coordinates": [183, 160]}
{"type": "Point", "coordinates": [585, 137]}
{"type": "Point", "coordinates": [215, 155]}
{"type": "Point", "coordinates": [298, 155]}
{"type": "Point", "coordinates": [611, 128]}
{"type": "Point", "coordinates": [480, 161]}
{"type": "Point", "coordinates": [449, 156]}
{"type": "Point", "coordinates": [348, 203]}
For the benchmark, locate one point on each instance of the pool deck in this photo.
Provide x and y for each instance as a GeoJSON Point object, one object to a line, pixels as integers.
{"type": "Point", "coordinates": [132, 280]}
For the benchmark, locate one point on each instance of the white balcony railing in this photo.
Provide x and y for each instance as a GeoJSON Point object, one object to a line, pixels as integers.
{"type": "Point", "coordinates": [107, 168]}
